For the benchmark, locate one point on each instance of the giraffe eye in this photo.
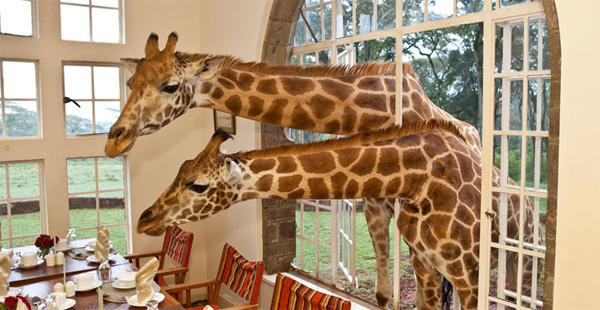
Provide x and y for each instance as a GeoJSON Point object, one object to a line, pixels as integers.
{"type": "Point", "coordinates": [197, 187]}
{"type": "Point", "coordinates": [170, 88]}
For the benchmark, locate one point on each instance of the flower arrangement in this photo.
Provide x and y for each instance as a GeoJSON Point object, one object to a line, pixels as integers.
{"type": "Point", "coordinates": [45, 243]}
{"type": "Point", "coordinates": [12, 303]}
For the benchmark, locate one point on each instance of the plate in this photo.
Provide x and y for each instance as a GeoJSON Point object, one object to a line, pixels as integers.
{"type": "Point", "coordinates": [95, 284]}
{"type": "Point", "coordinates": [134, 302]}
{"type": "Point", "coordinates": [40, 261]}
{"type": "Point", "coordinates": [92, 249]}
{"type": "Point", "coordinates": [127, 276]}
{"type": "Point", "coordinates": [13, 291]}
{"type": "Point", "coordinates": [69, 303]}
{"type": "Point", "coordinates": [122, 285]}
{"type": "Point", "coordinates": [93, 259]}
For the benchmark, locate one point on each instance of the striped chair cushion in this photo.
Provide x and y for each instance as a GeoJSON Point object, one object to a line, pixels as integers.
{"type": "Point", "coordinates": [242, 276]}
{"type": "Point", "coordinates": [178, 244]}
{"type": "Point", "coordinates": [289, 294]}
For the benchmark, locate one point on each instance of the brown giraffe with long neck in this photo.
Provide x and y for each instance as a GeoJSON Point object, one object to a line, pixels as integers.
{"type": "Point", "coordinates": [339, 100]}
{"type": "Point", "coordinates": [427, 164]}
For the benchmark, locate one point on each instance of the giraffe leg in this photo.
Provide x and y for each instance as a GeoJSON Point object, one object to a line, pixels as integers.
{"type": "Point", "coordinates": [429, 284]}
{"type": "Point", "coordinates": [378, 215]}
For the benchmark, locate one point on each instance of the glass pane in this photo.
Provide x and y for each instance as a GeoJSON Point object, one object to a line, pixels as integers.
{"type": "Point", "coordinates": [107, 113]}
{"type": "Point", "coordinates": [314, 21]}
{"type": "Point", "coordinates": [324, 263]}
{"type": "Point", "coordinates": [539, 104]}
{"type": "Point", "coordinates": [309, 59]}
{"type": "Point", "coordinates": [513, 120]}
{"type": "Point", "coordinates": [517, 47]}
{"type": "Point", "coordinates": [105, 25]}
{"type": "Point", "coordinates": [112, 208]}
{"type": "Point", "coordinates": [110, 173]}
{"type": "Point", "coordinates": [75, 22]}
{"type": "Point", "coordinates": [76, 1]}
{"type": "Point", "coordinates": [106, 83]}
{"type": "Point", "coordinates": [412, 12]}
{"type": "Point", "coordinates": [309, 223]}
{"type": "Point", "coordinates": [19, 79]}
{"type": "Point", "coordinates": [310, 257]}
{"type": "Point", "coordinates": [2, 182]}
{"type": "Point", "coordinates": [311, 2]}
{"type": "Point", "coordinates": [498, 57]}
{"type": "Point", "coordinates": [325, 57]}
{"type": "Point", "coordinates": [300, 34]}
{"type": "Point", "coordinates": [376, 50]}
{"type": "Point", "coordinates": [81, 174]}
{"type": "Point", "coordinates": [24, 180]}
{"type": "Point", "coordinates": [533, 290]}
{"type": "Point", "coordinates": [15, 17]}
{"type": "Point", "coordinates": [4, 221]}
{"type": "Point", "coordinates": [504, 3]}
{"type": "Point", "coordinates": [497, 104]}
{"type": "Point", "coordinates": [536, 176]}
{"type": "Point", "coordinates": [540, 206]}
{"type": "Point", "coordinates": [82, 212]}
{"type": "Point", "coordinates": [295, 60]}
{"type": "Point", "coordinates": [516, 105]}
{"type": "Point", "coordinates": [440, 9]}
{"type": "Point", "coordinates": [109, 3]}
{"type": "Point", "coordinates": [89, 233]}
{"type": "Point", "coordinates": [364, 16]}
{"type": "Point", "coordinates": [503, 277]}
{"type": "Point", "coordinates": [79, 119]}
{"type": "Point", "coordinates": [512, 33]}
{"type": "Point", "coordinates": [25, 218]}
{"type": "Point", "coordinates": [468, 6]}
{"type": "Point", "coordinates": [512, 158]}
{"type": "Point", "coordinates": [78, 82]}
{"type": "Point", "coordinates": [21, 118]}
{"type": "Point", "coordinates": [538, 44]}
{"type": "Point", "coordinates": [327, 21]}
{"type": "Point", "coordinates": [344, 18]}
{"type": "Point", "coordinates": [386, 14]}
{"type": "Point", "coordinates": [118, 237]}
{"type": "Point", "coordinates": [23, 241]}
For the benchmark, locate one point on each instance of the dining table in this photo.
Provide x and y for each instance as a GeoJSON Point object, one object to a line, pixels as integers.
{"type": "Point", "coordinates": [40, 281]}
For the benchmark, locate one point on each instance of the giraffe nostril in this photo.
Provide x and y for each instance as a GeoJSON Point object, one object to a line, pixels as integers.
{"type": "Point", "coordinates": [146, 214]}
{"type": "Point", "coordinates": [116, 133]}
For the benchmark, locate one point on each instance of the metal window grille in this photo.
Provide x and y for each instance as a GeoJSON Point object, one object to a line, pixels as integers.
{"type": "Point", "coordinates": [92, 5]}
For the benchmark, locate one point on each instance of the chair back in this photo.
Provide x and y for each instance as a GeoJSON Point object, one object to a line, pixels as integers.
{"type": "Point", "coordinates": [243, 277]}
{"type": "Point", "coordinates": [290, 294]}
{"type": "Point", "coordinates": [178, 245]}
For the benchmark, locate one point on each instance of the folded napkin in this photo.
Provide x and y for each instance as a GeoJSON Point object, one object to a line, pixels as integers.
{"type": "Point", "coordinates": [144, 278]}
{"type": "Point", "coordinates": [21, 305]}
{"type": "Point", "coordinates": [102, 243]}
{"type": "Point", "coordinates": [4, 272]}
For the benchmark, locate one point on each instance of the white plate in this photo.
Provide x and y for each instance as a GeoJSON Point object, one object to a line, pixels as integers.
{"type": "Point", "coordinates": [13, 291]}
{"type": "Point", "coordinates": [122, 285]}
{"type": "Point", "coordinates": [69, 303]}
{"type": "Point", "coordinates": [95, 284]}
{"type": "Point", "coordinates": [93, 259]}
{"type": "Point", "coordinates": [39, 262]}
{"type": "Point", "coordinates": [134, 302]}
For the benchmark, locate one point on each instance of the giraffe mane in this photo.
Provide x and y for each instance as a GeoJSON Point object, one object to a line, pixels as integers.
{"type": "Point", "coordinates": [393, 132]}
{"type": "Point", "coordinates": [358, 70]}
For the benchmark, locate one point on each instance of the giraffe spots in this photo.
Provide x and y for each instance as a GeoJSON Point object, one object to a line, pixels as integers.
{"type": "Point", "coordinates": [371, 121]}
{"type": "Point", "coordinates": [425, 206]}
{"type": "Point", "coordinates": [414, 159]}
{"type": "Point", "coordinates": [193, 218]}
{"type": "Point", "coordinates": [336, 89]}
{"type": "Point", "coordinates": [297, 86]}
{"type": "Point", "coordinates": [264, 183]}
{"type": "Point", "coordinates": [475, 232]}
{"type": "Point", "coordinates": [347, 156]}
{"type": "Point", "coordinates": [469, 195]}
{"type": "Point", "coordinates": [442, 198]}
{"type": "Point", "coordinates": [372, 188]}
{"type": "Point", "coordinates": [348, 119]}
{"type": "Point", "coordinates": [446, 168]}
{"type": "Point", "coordinates": [409, 141]}
{"type": "Point", "coordinates": [297, 194]}
{"type": "Point", "coordinates": [347, 79]}
{"type": "Point", "coordinates": [275, 112]}
{"type": "Point", "coordinates": [256, 106]}
{"type": "Point", "coordinates": [409, 226]}
{"type": "Point", "coordinates": [439, 224]}
{"type": "Point", "coordinates": [419, 105]}
{"type": "Point", "coordinates": [371, 101]}
{"type": "Point", "coordinates": [450, 251]}
{"type": "Point", "coordinates": [366, 163]}
{"type": "Point", "coordinates": [466, 167]}
{"type": "Point", "coordinates": [392, 104]}
{"type": "Point", "coordinates": [317, 162]}
{"type": "Point", "coordinates": [412, 184]}
{"type": "Point", "coordinates": [371, 84]}
{"type": "Point", "coordinates": [455, 269]}
{"type": "Point", "coordinates": [471, 263]}
{"type": "Point", "coordinates": [427, 236]}
{"type": "Point", "coordinates": [351, 189]}
{"type": "Point", "coordinates": [318, 188]}
{"type": "Point", "coordinates": [225, 83]}
{"type": "Point", "coordinates": [268, 86]}
{"type": "Point", "coordinates": [390, 84]}
{"type": "Point", "coordinates": [321, 106]}
{"type": "Point", "coordinates": [434, 145]}
{"type": "Point", "coordinates": [393, 186]}
{"type": "Point", "coordinates": [332, 127]}
{"type": "Point", "coordinates": [301, 119]}
{"type": "Point", "coordinates": [287, 164]}
{"type": "Point", "coordinates": [244, 81]}
{"type": "Point", "coordinates": [259, 165]}
{"type": "Point", "coordinates": [464, 215]}
{"type": "Point", "coordinates": [234, 104]}
{"type": "Point", "coordinates": [289, 183]}
{"type": "Point", "coordinates": [229, 74]}
{"type": "Point", "coordinates": [338, 181]}
{"type": "Point", "coordinates": [206, 86]}
{"type": "Point", "coordinates": [411, 116]}
{"type": "Point", "coordinates": [461, 234]}
{"type": "Point", "coordinates": [389, 161]}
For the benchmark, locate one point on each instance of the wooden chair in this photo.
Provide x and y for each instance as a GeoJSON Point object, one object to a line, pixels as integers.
{"type": "Point", "coordinates": [176, 245]}
{"type": "Point", "coordinates": [290, 294]}
{"type": "Point", "coordinates": [243, 277]}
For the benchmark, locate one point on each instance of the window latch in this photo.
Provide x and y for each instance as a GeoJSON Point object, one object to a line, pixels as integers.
{"type": "Point", "coordinates": [67, 100]}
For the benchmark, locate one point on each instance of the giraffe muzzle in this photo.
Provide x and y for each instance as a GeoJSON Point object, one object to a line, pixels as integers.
{"type": "Point", "coordinates": [119, 141]}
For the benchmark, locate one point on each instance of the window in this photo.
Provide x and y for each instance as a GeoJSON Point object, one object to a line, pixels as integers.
{"type": "Point", "coordinates": [19, 98]}
{"type": "Point", "coordinates": [97, 196]}
{"type": "Point", "coordinates": [98, 21]}
{"type": "Point", "coordinates": [97, 90]}
{"type": "Point", "coordinates": [16, 17]}
{"type": "Point", "coordinates": [21, 199]}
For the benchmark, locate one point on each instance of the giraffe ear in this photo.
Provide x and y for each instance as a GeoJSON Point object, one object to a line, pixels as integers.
{"type": "Point", "coordinates": [209, 67]}
{"type": "Point", "coordinates": [130, 64]}
{"type": "Point", "coordinates": [234, 173]}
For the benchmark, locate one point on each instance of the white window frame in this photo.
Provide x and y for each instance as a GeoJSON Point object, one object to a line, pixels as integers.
{"type": "Point", "coordinates": [491, 13]}
{"type": "Point", "coordinates": [90, 6]}
{"type": "Point", "coordinates": [34, 22]}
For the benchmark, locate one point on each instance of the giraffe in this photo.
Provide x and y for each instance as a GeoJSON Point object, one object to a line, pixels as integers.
{"type": "Point", "coordinates": [338, 100]}
{"type": "Point", "coordinates": [428, 164]}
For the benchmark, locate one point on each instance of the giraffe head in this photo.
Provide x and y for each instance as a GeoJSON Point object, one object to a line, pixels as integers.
{"type": "Point", "coordinates": [161, 89]}
{"type": "Point", "coordinates": [203, 186]}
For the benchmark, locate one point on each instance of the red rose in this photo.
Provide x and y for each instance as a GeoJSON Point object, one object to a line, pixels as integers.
{"type": "Point", "coordinates": [11, 301]}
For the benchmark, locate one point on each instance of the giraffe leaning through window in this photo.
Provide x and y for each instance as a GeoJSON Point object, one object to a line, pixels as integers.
{"type": "Point", "coordinates": [331, 99]}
